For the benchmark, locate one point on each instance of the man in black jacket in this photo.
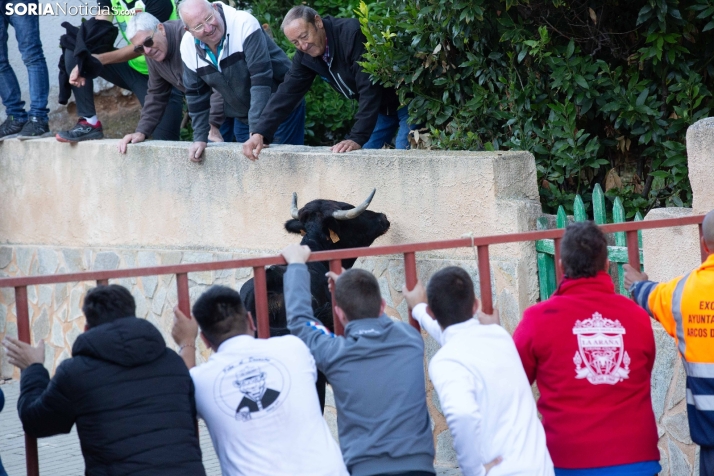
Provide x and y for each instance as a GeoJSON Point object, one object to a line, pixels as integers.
{"type": "Point", "coordinates": [131, 397]}
{"type": "Point", "coordinates": [332, 48]}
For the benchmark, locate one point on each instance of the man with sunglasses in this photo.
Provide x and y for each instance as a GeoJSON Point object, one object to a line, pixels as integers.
{"type": "Point", "coordinates": [229, 51]}
{"type": "Point", "coordinates": [160, 44]}
{"type": "Point", "coordinates": [123, 67]}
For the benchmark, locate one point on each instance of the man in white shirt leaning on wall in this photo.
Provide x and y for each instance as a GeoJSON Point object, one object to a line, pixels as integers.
{"type": "Point", "coordinates": [482, 387]}
{"type": "Point", "coordinates": [257, 396]}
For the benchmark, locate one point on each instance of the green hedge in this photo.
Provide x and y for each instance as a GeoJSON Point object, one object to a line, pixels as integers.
{"type": "Point", "coordinates": [599, 91]}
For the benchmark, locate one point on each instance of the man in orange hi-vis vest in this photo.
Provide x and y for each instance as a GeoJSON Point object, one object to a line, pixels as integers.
{"type": "Point", "coordinates": [685, 308]}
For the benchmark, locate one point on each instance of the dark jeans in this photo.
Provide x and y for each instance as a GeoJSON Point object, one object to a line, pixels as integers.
{"type": "Point", "coordinates": [291, 131]}
{"type": "Point", "coordinates": [227, 130]}
{"type": "Point", "coordinates": [27, 33]}
{"type": "Point", "coordinates": [127, 77]}
{"type": "Point", "coordinates": [706, 461]}
{"type": "Point", "coordinates": [387, 126]}
{"type": "Point", "coordinates": [2, 470]}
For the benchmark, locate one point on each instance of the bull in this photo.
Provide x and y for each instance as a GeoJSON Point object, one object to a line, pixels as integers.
{"type": "Point", "coordinates": [324, 225]}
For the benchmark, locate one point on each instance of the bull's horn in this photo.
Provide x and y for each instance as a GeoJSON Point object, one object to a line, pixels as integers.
{"type": "Point", "coordinates": [294, 208]}
{"type": "Point", "coordinates": [355, 212]}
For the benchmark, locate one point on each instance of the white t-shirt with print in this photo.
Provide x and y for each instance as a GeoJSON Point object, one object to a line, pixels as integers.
{"type": "Point", "coordinates": [259, 402]}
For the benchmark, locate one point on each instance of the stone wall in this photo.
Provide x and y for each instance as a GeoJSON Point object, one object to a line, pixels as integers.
{"type": "Point", "coordinates": [73, 208]}
{"type": "Point", "coordinates": [84, 207]}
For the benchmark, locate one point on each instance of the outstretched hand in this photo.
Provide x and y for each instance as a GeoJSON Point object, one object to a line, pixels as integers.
{"type": "Point", "coordinates": [134, 138]}
{"type": "Point", "coordinates": [345, 146]}
{"type": "Point", "coordinates": [632, 275]}
{"type": "Point", "coordinates": [253, 146]}
{"type": "Point", "coordinates": [415, 296]}
{"type": "Point", "coordinates": [185, 329]}
{"type": "Point", "coordinates": [495, 462]}
{"type": "Point", "coordinates": [195, 151]}
{"type": "Point", "coordinates": [21, 354]}
{"type": "Point", "coordinates": [486, 319]}
{"type": "Point", "coordinates": [296, 254]}
{"type": "Point", "coordinates": [332, 278]}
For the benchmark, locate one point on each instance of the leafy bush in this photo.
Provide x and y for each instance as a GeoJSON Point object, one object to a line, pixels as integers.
{"type": "Point", "coordinates": [599, 91]}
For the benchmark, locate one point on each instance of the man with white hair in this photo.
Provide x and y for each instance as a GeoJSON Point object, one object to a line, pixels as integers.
{"type": "Point", "coordinates": [160, 44]}
{"type": "Point", "coordinates": [229, 51]}
{"type": "Point", "coordinates": [124, 67]}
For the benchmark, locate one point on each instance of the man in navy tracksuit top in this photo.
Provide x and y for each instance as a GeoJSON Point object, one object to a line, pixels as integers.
{"type": "Point", "coordinates": [376, 371]}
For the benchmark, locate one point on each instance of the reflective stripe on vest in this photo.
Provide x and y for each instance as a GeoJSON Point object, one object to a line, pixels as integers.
{"type": "Point", "coordinates": [704, 403]}
{"type": "Point", "coordinates": [139, 63]}
{"type": "Point", "coordinates": [698, 370]}
{"type": "Point", "coordinates": [677, 314]}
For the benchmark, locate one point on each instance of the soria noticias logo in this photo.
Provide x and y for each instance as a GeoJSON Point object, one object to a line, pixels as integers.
{"type": "Point", "coordinates": [56, 9]}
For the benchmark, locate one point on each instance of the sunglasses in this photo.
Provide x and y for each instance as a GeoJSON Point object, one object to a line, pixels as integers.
{"type": "Point", "coordinates": [147, 43]}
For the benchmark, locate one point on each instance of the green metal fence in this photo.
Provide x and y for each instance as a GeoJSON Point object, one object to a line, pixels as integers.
{"type": "Point", "coordinates": [617, 254]}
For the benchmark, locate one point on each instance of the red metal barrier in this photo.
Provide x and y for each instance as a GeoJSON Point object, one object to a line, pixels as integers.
{"type": "Point", "coordinates": [334, 257]}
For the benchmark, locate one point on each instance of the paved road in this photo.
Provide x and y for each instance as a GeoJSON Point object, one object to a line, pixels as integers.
{"type": "Point", "coordinates": [61, 456]}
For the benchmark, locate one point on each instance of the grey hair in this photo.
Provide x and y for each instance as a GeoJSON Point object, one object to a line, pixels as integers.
{"type": "Point", "coordinates": [300, 12]}
{"type": "Point", "coordinates": [182, 6]}
{"type": "Point", "coordinates": [141, 22]}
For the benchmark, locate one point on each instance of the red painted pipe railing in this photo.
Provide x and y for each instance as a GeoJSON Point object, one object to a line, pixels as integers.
{"type": "Point", "coordinates": [334, 257]}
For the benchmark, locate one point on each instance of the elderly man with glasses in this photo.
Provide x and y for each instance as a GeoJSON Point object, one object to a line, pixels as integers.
{"type": "Point", "coordinates": [229, 51]}
{"type": "Point", "coordinates": [124, 67]}
{"type": "Point", "coordinates": [160, 44]}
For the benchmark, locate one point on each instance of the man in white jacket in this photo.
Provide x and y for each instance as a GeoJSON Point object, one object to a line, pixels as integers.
{"type": "Point", "coordinates": [482, 387]}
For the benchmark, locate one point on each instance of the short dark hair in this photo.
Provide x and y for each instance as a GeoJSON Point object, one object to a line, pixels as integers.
{"type": "Point", "coordinates": [583, 250]}
{"type": "Point", "coordinates": [220, 313]}
{"type": "Point", "coordinates": [357, 293]}
{"type": "Point", "coordinates": [105, 304]}
{"type": "Point", "coordinates": [300, 12]}
{"type": "Point", "coordinates": [451, 296]}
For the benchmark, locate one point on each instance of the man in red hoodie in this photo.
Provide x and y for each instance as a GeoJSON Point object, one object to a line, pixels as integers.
{"type": "Point", "coordinates": [591, 352]}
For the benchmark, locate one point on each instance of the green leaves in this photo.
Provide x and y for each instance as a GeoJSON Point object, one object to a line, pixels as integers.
{"type": "Point", "coordinates": [584, 92]}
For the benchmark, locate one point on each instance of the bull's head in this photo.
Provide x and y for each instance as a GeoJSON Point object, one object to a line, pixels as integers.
{"type": "Point", "coordinates": [331, 225]}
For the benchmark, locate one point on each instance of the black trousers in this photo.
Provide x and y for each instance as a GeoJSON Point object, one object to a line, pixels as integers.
{"type": "Point", "coordinates": [706, 461]}
{"type": "Point", "coordinates": [124, 76]}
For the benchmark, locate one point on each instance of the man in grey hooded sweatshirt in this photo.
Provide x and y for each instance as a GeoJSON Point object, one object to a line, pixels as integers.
{"type": "Point", "coordinates": [376, 371]}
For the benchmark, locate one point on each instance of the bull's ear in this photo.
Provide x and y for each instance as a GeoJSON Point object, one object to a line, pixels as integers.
{"type": "Point", "coordinates": [295, 226]}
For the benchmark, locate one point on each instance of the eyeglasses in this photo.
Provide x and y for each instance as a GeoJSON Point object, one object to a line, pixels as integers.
{"type": "Point", "coordinates": [147, 43]}
{"type": "Point", "coordinates": [199, 28]}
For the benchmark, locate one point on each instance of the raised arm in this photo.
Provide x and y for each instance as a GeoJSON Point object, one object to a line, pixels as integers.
{"type": "Point", "coordinates": [301, 320]}
{"type": "Point", "coordinates": [45, 406]}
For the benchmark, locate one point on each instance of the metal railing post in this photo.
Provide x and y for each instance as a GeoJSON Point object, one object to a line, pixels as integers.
{"type": "Point", "coordinates": [261, 302]}
{"type": "Point", "coordinates": [184, 302]}
{"type": "Point", "coordinates": [336, 267]}
{"type": "Point", "coordinates": [410, 279]}
{"type": "Point", "coordinates": [556, 258]}
{"type": "Point", "coordinates": [102, 282]}
{"type": "Point", "coordinates": [704, 254]}
{"type": "Point", "coordinates": [484, 279]}
{"type": "Point", "coordinates": [633, 249]}
{"type": "Point", "coordinates": [23, 333]}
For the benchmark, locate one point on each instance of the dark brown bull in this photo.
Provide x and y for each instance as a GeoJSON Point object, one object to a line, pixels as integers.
{"type": "Point", "coordinates": [324, 225]}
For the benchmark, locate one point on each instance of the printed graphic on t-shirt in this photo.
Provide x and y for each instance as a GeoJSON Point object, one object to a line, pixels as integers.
{"type": "Point", "coordinates": [601, 356]}
{"type": "Point", "coordinates": [252, 388]}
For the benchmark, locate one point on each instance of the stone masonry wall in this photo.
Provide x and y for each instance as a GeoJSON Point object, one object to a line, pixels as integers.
{"type": "Point", "coordinates": [56, 316]}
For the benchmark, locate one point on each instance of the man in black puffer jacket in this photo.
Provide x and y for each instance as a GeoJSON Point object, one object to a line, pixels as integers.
{"type": "Point", "coordinates": [131, 397]}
